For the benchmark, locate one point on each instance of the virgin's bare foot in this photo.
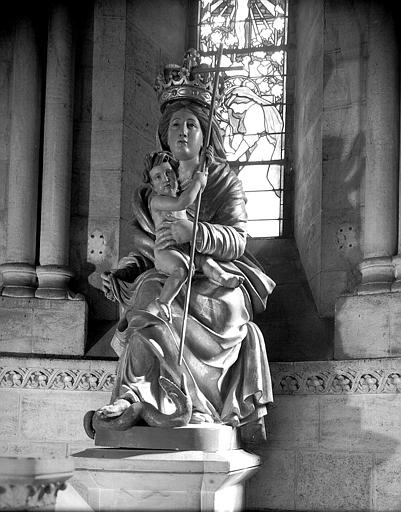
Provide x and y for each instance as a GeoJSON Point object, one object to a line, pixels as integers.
{"type": "Point", "coordinates": [114, 409]}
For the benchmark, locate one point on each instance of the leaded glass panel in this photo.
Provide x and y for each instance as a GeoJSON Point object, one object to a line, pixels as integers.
{"type": "Point", "coordinates": [252, 113]}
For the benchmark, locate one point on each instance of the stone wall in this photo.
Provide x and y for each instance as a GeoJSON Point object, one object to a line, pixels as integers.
{"type": "Point", "coordinates": [308, 138]}
{"type": "Point", "coordinates": [330, 144]}
{"type": "Point", "coordinates": [119, 54]}
{"type": "Point", "coordinates": [44, 402]}
{"type": "Point", "coordinates": [291, 325]}
{"type": "Point", "coordinates": [334, 433]}
{"type": "Point", "coordinates": [147, 50]}
{"type": "Point", "coordinates": [334, 438]}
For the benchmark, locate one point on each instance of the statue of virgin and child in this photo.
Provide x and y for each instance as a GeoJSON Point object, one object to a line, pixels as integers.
{"type": "Point", "coordinates": [224, 372]}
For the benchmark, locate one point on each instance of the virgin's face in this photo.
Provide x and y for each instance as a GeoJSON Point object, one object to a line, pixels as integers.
{"type": "Point", "coordinates": [185, 137]}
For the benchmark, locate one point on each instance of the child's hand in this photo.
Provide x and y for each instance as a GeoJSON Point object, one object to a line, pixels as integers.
{"type": "Point", "coordinates": [209, 156]}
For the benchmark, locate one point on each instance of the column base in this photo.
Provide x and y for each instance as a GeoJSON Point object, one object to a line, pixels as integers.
{"type": "Point", "coordinates": [377, 275]}
{"type": "Point", "coordinates": [19, 280]}
{"type": "Point", "coordinates": [120, 479]}
{"type": "Point", "coordinates": [53, 282]}
{"type": "Point", "coordinates": [396, 286]}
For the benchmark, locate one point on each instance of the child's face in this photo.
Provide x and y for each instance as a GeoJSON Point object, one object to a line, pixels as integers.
{"type": "Point", "coordinates": [163, 180]}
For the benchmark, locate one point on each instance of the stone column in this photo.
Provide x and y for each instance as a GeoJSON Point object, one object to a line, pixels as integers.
{"type": "Point", "coordinates": [382, 148]}
{"type": "Point", "coordinates": [19, 270]}
{"type": "Point", "coordinates": [53, 272]}
{"type": "Point", "coordinates": [396, 287]}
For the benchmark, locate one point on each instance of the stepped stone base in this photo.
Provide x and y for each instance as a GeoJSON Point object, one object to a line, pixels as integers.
{"type": "Point", "coordinates": [42, 326]}
{"type": "Point", "coordinates": [118, 479]}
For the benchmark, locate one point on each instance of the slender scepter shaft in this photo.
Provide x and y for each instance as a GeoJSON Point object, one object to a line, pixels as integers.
{"type": "Point", "coordinates": [197, 206]}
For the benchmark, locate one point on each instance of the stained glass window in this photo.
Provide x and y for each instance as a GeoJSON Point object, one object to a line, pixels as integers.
{"type": "Point", "coordinates": [252, 113]}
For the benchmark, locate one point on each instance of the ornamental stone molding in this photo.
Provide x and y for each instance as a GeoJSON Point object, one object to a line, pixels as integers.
{"type": "Point", "coordinates": [29, 496]}
{"type": "Point", "coordinates": [57, 379]}
{"type": "Point", "coordinates": [32, 483]}
{"type": "Point", "coordinates": [368, 376]}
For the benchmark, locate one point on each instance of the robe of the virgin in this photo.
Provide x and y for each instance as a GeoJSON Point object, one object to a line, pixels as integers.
{"type": "Point", "coordinates": [224, 356]}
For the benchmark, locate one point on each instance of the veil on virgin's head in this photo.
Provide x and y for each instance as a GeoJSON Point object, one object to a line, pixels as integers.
{"type": "Point", "coordinates": [202, 113]}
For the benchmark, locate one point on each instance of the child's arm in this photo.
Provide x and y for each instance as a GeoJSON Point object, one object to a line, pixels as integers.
{"type": "Point", "coordinates": [187, 197]}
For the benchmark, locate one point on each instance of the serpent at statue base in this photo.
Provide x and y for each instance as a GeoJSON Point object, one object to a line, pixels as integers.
{"type": "Point", "coordinates": [140, 412]}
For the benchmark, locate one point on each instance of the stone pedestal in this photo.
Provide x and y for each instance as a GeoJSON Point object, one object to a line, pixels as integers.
{"type": "Point", "coordinates": [368, 326]}
{"type": "Point", "coordinates": [32, 484]}
{"type": "Point", "coordinates": [128, 479]}
{"type": "Point", "coordinates": [37, 326]}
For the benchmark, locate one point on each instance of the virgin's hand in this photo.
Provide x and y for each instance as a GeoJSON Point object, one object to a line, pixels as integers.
{"type": "Point", "coordinates": [105, 277]}
{"type": "Point", "coordinates": [173, 232]}
{"type": "Point", "coordinates": [107, 286]}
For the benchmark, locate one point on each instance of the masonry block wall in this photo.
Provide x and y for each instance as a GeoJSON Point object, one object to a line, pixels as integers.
{"type": "Point", "coordinates": [334, 438]}
{"type": "Point", "coordinates": [330, 145]}
{"type": "Point", "coordinates": [44, 402]}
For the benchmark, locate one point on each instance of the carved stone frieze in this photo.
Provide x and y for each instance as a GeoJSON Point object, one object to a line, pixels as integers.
{"type": "Point", "coordinates": [60, 379]}
{"type": "Point", "coordinates": [321, 377]}
{"type": "Point", "coordinates": [19, 496]}
{"type": "Point", "coordinates": [336, 381]}
{"type": "Point", "coordinates": [32, 483]}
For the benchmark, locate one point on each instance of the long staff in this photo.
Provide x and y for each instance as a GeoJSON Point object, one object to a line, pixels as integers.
{"type": "Point", "coordinates": [197, 204]}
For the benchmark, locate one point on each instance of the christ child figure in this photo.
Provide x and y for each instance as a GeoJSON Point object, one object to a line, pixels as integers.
{"type": "Point", "coordinates": [160, 172]}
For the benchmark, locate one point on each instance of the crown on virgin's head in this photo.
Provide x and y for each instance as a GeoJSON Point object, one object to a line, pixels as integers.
{"type": "Point", "coordinates": [185, 82]}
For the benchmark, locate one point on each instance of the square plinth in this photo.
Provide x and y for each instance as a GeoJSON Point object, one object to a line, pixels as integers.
{"type": "Point", "coordinates": [208, 437]}
{"type": "Point", "coordinates": [144, 480]}
{"type": "Point", "coordinates": [43, 326]}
